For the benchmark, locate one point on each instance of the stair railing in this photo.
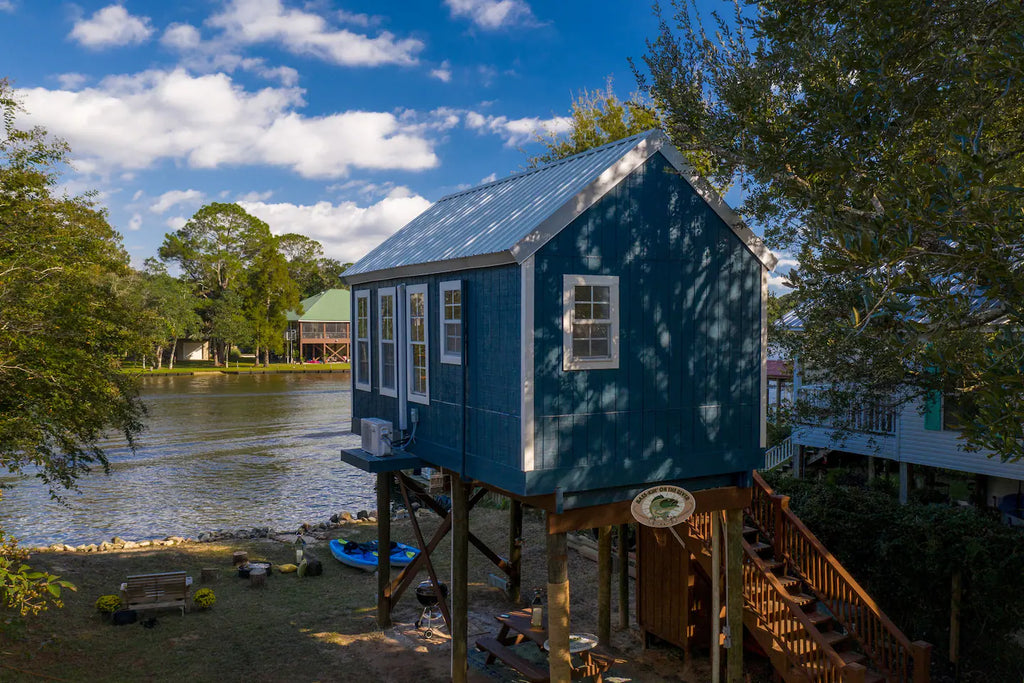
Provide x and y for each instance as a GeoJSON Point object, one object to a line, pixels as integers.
{"type": "Point", "coordinates": [790, 627]}
{"type": "Point", "coordinates": [890, 651]}
{"type": "Point", "coordinates": [778, 615]}
{"type": "Point", "coordinates": [778, 454]}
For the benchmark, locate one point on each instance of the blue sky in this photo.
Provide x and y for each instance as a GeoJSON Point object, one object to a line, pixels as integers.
{"type": "Point", "coordinates": [337, 119]}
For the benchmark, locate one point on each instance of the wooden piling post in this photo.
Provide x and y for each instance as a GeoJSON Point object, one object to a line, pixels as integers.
{"type": "Point", "coordinates": [559, 668]}
{"type": "Point", "coordinates": [460, 580]}
{"type": "Point", "coordinates": [716, 596]}
{"type": "Point", "coordinates": [604, 585]}
{"type": "Point", "coordinates": [623, 577]}
{"type": "Point", "coordinates": [734, 593]}
{"type": "Point", "coordinates": [956, 594]}
{"type": "Point", "coordinates": [383, 548]}
{"type": "Point", "coordinates": [515, 550]}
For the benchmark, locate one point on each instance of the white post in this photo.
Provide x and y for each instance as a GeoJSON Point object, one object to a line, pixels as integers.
{"type": "Point", "coordinates": [716, 596]}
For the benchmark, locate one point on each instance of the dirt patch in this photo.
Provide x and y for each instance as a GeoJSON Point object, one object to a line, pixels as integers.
{"type": "Point", "coordinates": [297, 629]}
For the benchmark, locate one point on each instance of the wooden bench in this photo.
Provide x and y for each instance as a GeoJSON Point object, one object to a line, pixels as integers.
{"type": "Point", "coordinates": [156, 591]}
{"type": "Point", "coordinates": [494, 649]}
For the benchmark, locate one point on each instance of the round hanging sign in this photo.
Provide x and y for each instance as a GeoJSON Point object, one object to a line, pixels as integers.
{"type": "Point", "coordinates": [663, 506]}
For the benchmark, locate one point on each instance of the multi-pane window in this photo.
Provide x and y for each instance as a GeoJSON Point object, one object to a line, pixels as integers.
{"type": "Point", "coordinates": [386, 339]}
{"type": "Point", "coordinates": [451, 322]}
{"type": "Point", "coordinates": [362, 348]}
{"type": "Point", "coordinates": [416, 305]}
{"type": "Point", "coordinates": [590, 322]}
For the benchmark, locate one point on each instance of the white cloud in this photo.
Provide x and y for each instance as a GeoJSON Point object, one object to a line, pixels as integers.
{"type": "Point", "coordinates": [517, 131]}
{"type": "Point", "coordinates": [181, 37]}
{"type": "Point", "coordinates": [256, 196]}
{"type": "Point", "coordinates": [136, 222]}
{"type": "Point", "coordinates": [172, 198]}
{"type": "Point", "coordinates": [72, 81]}
{"type": "Point", "coordinates": [6, 6]}
{"type": "Point", "coordinates": [110, 27]}
{"type": "Point", "coordinates": [346, 230]}
{"type": "Point", "coordinates": [304, 33]}
{"type": "Point", "coordinates": [131, 122]}
{"type": "Point", "coordinates": [443, 72]}
{"type": "Point", "coordinates": [176, 222]}
{"type": "Point", "coordinates": [492, 14]}
{"type": "Point", "coordinates": [489, 178]}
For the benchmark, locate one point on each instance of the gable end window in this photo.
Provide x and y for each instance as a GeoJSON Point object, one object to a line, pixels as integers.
{"type": "Point", "coordinates": [590, 322]}
{"type": "Point", "coordinates": [451, 322]}
{"type": "Point", "coordinates": [362, 347]}
{"type": "Point", "coordinates": [387, 353]}
{"type": "Point", "coordinates": [418, 384]}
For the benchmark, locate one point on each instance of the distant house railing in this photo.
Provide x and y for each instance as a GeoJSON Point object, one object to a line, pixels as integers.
{"type": "Point", "coordinates": [872, 418]}
{"type": "Point", "coordinates": [778, 454]}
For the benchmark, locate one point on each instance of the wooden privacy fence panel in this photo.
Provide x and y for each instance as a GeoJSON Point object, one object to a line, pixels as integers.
{"type": "Point", "coordinates": [890, 651]}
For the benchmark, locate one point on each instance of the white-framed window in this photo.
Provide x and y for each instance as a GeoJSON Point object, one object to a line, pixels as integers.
{"type": "Point", "coordinates": [387, 358]}
{"type": "Point", "coordinates": [417, 333]}
{"type": "Point", "coordinates": [451, 322]}
{"type": "Point", "coordinates": [590, 322]}
{"type": "Point", "coordinates": [362, 349]}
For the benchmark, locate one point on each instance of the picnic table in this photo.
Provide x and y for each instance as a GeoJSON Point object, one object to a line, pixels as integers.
{"type": "Point", "coordinates": [516, 629]}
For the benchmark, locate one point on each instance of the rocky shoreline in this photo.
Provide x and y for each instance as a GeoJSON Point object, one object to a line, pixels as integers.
{"type": "Point", "coordinates": [308, 531]}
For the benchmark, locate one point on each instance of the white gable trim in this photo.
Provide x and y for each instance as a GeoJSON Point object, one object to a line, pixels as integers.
{"type": "Point", "coordinates": [615, 174]}
{"type": "Point", "coordinates": [526, 361]}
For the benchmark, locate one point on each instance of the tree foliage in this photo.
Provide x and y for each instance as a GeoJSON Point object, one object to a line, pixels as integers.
{"type": "Point", "coordinates": [879, 141]}
{"type": "Point", "coordinates": [597, 119]}
{"type": "Point", "coordinates": [269, 295]}
{"type": "Point", "coordinates": [67, 321]}
{"type": "Point", "coordinates": [311, 271]}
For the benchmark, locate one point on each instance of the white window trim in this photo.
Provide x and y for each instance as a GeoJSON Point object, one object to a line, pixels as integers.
{"type": "Point", "coordinates": [410, 291]}
{"type": "Point", "coordinates": [569, 282]}
{"type": "Point", "coordinates": [364, 386]}
{"type": "Point", "coordinates": [382, 294]}
{"type": "Point", "coordinates": [446, 357]}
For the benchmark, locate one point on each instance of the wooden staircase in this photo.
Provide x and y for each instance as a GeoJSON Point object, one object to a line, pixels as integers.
{"type": "Point", "coordinates": [814, 621]}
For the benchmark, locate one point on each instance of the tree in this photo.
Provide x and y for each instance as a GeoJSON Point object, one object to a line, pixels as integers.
{"type": "Point", "coordinates": [880, 141]}
{"type": "Point", "coordinates": [172, 307]}
{"type": "Point", "coordinates": [597, 119]}
{"type": "Point", "coordinates": [311, 271]}
{"type": "Point", "coordinates": [66, 324]}
{"type": "Point", "coordinates": [213, 250]}
{"type": "Point", "coordinates": [270, 294]}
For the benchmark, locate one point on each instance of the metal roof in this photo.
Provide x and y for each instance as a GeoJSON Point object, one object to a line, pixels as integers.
{"type": "Point", "coordinates": [332, 305]}
{"type": "Point", "coordinates": [508, 220]}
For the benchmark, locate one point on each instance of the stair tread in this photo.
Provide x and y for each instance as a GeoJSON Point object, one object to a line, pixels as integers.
{"type": "Point", "coordinates": [852, 657]}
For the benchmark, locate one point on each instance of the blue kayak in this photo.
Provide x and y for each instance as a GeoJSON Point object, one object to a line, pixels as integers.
{"type": "Point", "coordinates": [364, 555]}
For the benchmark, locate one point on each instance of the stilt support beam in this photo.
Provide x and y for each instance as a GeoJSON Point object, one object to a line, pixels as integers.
{"type": "Point", "coordinates": [515, 551]}
{"type": "Point", "coordinates": [604, 584]}
{"type": "Point", "coordinates": [383, 543]}
{"type": "Point", "coordinates": [623, 576]}
{"type": "Point", "coordinates": [559, 667]}
{"type": "Point", "coordinates": [734, 594]}
{"type": "Point", "coordinates": [460, 580]}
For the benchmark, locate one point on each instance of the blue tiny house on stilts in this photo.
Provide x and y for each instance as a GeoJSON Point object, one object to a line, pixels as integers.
{"type": "Point", "coordinates": [570, 335]}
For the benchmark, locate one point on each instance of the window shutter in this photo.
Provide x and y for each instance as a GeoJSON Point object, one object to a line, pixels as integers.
{"type": "Point", "coordinates": [933, 411]}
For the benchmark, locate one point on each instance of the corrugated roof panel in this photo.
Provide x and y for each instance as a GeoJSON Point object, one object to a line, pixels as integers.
{"type": "Point", "coordinates": [493, 218]}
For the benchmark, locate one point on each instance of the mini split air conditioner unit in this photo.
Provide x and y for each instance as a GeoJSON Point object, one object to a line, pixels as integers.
{"type": "Point", "coordinates": [376, 436]}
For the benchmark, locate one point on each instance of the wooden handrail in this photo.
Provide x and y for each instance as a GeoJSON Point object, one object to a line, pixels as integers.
{"type": "Point", "coordinates": [804, 647]}
{"type": "Point", "coordinates": [883, 642]}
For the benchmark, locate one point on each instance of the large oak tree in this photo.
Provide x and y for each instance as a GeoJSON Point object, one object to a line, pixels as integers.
{"type": "Point", "coordinates": [881, 142]}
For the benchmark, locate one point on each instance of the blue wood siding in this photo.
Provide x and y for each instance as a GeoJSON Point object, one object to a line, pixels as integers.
{"type": "Point", "coordinates": [492, 314]}
{"type": "Point", "coordinates": [684, 402]}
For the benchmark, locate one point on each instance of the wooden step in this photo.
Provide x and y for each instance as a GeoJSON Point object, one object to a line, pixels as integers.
{"type": "Point", "coordinates": [851, 657]}
{"type": "Point", "coordinates": [762, 549]}
{"type": "Point", "coordinates": [803, 600]}
{"type": "Point", "coordinates": [774, 565]}
{"type": "Point", "coordinates": [749, 532]}
{"type": "Point", "coordinates": [833, 638]}
{"type": "Point", "coordinates": [528, 669]}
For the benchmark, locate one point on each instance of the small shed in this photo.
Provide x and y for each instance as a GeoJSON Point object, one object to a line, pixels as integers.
{"type": "Point", "coordinates": [323, 330]}
{"type": "Point", "coordinates": [570, 336]}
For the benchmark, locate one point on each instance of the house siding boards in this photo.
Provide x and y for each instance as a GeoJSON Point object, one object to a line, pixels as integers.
{"type": "Point", "coordinates": [491, 315]}
{"type": "Point", "coordinates": [914, 444]}
{"type": "Point", "coordinates": [684, 402]}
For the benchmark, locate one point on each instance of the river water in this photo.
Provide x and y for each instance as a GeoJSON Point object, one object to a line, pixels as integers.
{"type": "Point", "coordinates": [219, 452]}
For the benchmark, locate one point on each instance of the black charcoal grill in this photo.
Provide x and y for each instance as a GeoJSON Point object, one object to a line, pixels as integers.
{"type": "Point", "coordinates": [426, 595]}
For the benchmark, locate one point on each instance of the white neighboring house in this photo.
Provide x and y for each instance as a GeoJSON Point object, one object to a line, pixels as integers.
{"type": "Point", "coordinates": [192, 350]}
{"type": "Point", "coordinates": [912, 435]}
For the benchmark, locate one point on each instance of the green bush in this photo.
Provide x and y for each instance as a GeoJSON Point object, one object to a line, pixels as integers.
{"type": "Point", "coordinates": [204, 598]}
{"type": "Point", "coordinates": [108, 604]}
{"type": "Point", "coordinates": [905, 557]}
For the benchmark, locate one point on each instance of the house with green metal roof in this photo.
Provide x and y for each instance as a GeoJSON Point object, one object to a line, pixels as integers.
{"type": "Point", "coordinates": [322, 331]}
